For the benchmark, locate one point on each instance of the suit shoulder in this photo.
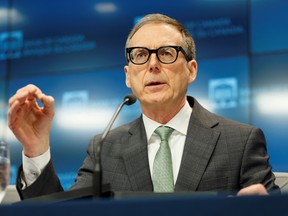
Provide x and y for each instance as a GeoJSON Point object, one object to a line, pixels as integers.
{"type": "Point", "coordinates": [213, 120]}
{"type": "Point", "coordinates": [120, 131]}
{"type": "Point", "coordinates": [228, 121]}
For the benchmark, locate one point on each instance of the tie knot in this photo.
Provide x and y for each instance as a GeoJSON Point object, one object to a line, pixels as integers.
{"type": "Point", "coordinates": [164, 132]}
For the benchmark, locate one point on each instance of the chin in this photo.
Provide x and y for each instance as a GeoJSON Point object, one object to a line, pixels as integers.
{"type": "Point", "coordinates": [156, 99]}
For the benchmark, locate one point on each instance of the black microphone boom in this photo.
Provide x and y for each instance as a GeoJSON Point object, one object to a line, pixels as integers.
{"type": "Point", "coordinates": [97, 176]}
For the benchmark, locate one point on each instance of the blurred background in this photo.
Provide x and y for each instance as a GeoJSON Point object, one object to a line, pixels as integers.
{"type": "Point", "coordinates": [74, 51]}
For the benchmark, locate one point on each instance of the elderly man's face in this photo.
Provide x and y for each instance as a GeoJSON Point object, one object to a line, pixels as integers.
{"type": "Point", "coordinates": [155, 83]}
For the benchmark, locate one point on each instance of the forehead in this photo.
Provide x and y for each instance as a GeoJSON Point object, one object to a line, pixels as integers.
{"type": "Point", "coordinates": [154, 35]}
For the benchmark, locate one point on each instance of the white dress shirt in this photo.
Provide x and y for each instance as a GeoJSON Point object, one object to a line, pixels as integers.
{"type": "Point", "coordinates": [176, 141]}
{"type": "Point", "coordinates": [32, 167]}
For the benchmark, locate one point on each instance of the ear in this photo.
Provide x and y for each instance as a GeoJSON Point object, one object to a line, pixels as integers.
{"type": "Point", "coordinates": [192, 70]}
{"type": "Point", "coordinates": [126, 69]}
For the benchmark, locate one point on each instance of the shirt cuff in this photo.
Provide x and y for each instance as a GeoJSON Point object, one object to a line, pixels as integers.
{"type": "Point", "coordinates": [33, 167]}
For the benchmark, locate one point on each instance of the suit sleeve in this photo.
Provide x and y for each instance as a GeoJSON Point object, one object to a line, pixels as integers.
{"type": "Point", "coordinates": [255, 162]}
{"type": "Point", "coordinates": [85, 172]}
{"type": "Point", "coordinates": [47, 183]}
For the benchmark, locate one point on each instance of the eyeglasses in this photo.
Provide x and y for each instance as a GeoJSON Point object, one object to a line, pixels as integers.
{"type": "Point", "coordinates": [165, 54]}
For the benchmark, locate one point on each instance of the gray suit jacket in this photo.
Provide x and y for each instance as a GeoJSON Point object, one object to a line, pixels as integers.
{"type": "Point", "coordinates": [219, 155]}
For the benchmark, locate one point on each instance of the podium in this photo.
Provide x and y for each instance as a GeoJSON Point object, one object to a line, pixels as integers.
{"type": "Point", "coordinates": [156, 205]}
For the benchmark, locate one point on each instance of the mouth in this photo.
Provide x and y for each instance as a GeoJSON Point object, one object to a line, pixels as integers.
{"type": "Point", "coordinates": [154, 83]}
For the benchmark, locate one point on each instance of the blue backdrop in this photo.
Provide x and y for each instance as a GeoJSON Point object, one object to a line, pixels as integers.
{"type": "Point", "coordinates": [74, 51]}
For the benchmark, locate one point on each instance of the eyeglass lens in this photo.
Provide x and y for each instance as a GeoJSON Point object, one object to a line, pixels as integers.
{"type": "Point", "coordinates": [164, 54]}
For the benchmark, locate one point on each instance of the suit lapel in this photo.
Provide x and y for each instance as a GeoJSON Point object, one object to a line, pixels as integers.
{"type": "Point", "coordinates": [199, 145]}
{"type": "Point", "coordinates": [135, 155]}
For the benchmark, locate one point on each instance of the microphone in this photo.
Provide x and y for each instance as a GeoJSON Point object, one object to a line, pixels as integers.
{"type": "Point", "coordinates": [97, 175]}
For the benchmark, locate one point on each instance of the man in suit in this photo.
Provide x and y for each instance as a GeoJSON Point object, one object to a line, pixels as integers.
{"type": "Point", "coordinates": [208, 152]}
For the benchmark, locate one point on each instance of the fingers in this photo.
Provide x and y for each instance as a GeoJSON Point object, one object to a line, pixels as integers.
{"type": "Point", "coordinates": [12, 114]}
{"type": "Point", "coordinates": [48, 103]}
{"type": "Point", "coordinates": [255, 189]}
{"type": "Point", "coordinates": [25, 100]}
{"type": "Point", "coordinates": [29, 92]}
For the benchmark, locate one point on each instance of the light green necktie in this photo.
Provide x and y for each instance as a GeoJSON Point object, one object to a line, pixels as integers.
{"type": "Point", "coordinates": [162, 168]}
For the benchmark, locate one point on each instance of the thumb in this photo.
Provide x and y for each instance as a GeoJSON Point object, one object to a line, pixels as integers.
{"type": "Point", "coordinates": [48, 105]}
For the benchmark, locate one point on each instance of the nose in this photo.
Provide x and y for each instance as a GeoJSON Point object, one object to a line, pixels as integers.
{"type": "Point", "coordinates": [154, 63]}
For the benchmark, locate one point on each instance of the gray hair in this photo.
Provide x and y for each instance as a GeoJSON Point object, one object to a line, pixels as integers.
{"type": "Point", "coordinates": [160, 18]}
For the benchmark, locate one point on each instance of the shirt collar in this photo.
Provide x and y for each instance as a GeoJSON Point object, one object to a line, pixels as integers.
{"type": "Point", "coordinates": [179, 122]}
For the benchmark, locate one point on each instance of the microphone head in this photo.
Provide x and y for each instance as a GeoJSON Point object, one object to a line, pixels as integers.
{"type": "Point", "coordinates": [130, 99]}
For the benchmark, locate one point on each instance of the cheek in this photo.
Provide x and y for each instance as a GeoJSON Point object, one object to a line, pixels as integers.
{"type": "Point", "coordinates": [135, 80]}
{"type": "Point", "coordinates": [130, 76]}
{"type": "Point", "coordinates": [180, 82]}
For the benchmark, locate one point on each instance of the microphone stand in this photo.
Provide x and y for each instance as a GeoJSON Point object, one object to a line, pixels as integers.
{"type": "Point", "coordinates": [97, 175]}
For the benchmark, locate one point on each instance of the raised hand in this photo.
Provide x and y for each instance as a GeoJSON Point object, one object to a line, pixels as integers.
{"type": "Point", "coordinates": [29, 122]}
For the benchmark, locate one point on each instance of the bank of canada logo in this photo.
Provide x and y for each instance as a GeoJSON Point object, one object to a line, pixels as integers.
{"type": "Point", "coordinates": [11, 45]}
{"type": "Point", "coordinates": [223, 93]}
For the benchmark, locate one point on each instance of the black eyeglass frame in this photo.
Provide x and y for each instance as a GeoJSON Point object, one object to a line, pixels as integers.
{"type": "Point", "coordinates": [150, 51]}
